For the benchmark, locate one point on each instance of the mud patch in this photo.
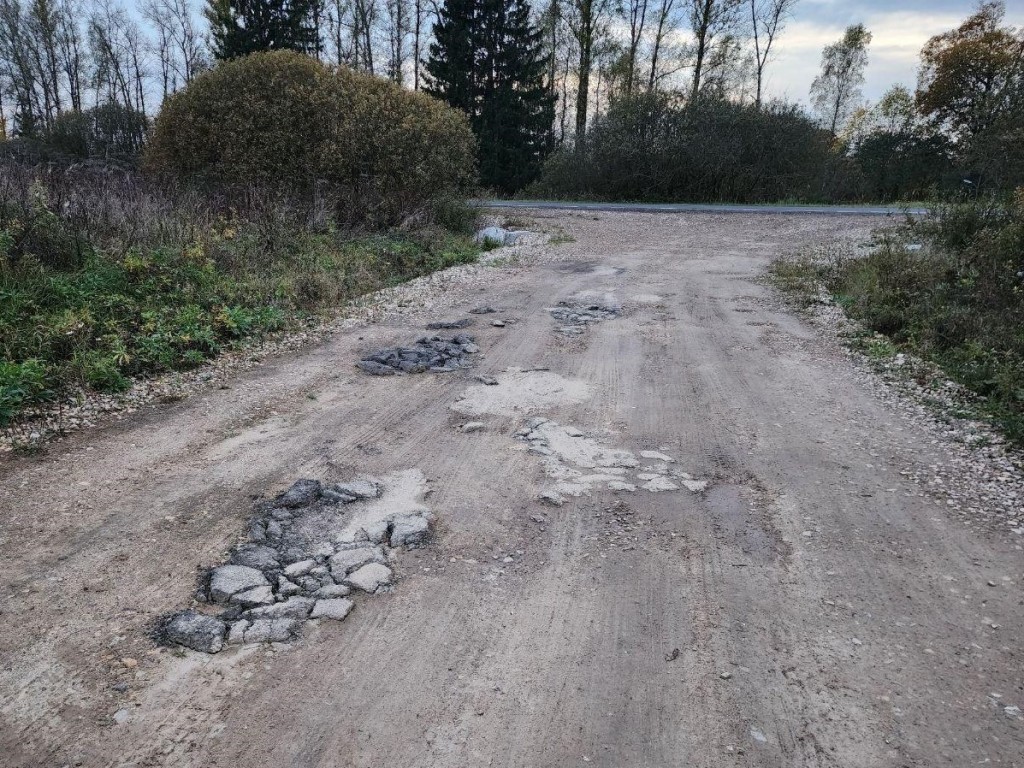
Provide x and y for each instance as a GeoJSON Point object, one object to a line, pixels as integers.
{"type": "Point", "coordinates": [521, 392]}
{"type": "Point", "coordinates": [305, 553]}
{"type": "Point", "coordinates": [739, 513]}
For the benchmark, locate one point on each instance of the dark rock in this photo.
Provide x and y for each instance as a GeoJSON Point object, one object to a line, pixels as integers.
{"type": "Point", "coordinates": [432, 353]}
{"type": "Point", "coordinates": [301, 494]}
{"type": "Point", "coordinates": [256, 556]}
{"type": "Point", "coordinates": [463, 323]}
{"type": "Point", "coordinates": [482, 311]}
{"type": "Point", "coordinates": [194, 630]}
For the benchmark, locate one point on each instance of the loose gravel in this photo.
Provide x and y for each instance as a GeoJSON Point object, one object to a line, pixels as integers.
{"type": "Point", "coordinates": [976, 473]}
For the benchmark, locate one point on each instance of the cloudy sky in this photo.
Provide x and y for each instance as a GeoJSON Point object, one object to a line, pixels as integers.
{"type": "Point", "coordinates": [900, 29]}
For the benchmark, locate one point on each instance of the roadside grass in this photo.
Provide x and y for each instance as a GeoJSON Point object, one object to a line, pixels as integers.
{"type": "Point", "coordinates": [949, 290]}
{"type": "Point", "coordinates": [88, 307]}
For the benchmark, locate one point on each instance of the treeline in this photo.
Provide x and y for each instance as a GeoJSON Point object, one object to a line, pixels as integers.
{"type": "Point", "coordinates": [639, 98]}
{"type": "Point", "coordinates": [961, 132]}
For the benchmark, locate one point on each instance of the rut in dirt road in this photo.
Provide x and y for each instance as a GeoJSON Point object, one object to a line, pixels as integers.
{"type": "Point", "coordinates": [680, 534]}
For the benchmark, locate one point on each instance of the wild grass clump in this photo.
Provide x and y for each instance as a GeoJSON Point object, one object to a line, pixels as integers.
{"type": "Point", "coordinates": [106, 275]}
{"type": "Point", "coordinates": [949, 289]}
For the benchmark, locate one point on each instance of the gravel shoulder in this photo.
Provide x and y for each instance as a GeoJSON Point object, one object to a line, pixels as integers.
{"type": "Point", "coordinates": [809, 604]}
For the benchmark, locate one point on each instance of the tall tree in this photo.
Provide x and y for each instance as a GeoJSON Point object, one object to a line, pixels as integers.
{"type": "Point", "coordinates": [634, 12]}
{"type": "Point", "coordinates": [240, 27]}
{"type": "Point", "coordinates": [767, 17]}
{"type": "Point", "coordinates": [836, 92]}
{"type": "Point", "coordinates": [587, 22]}
{"type": "Point", "coordinates": [713, 24]}
{"type": "Point", "coordinates": [488, 60]}
{"type": "Point", "coordinates": [973, 76]}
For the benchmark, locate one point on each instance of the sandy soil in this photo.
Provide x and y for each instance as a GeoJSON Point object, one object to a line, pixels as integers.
{"type": "Point", "coordinates": [810, 607]}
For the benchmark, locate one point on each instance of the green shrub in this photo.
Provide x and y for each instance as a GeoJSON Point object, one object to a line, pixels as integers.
{"type": "Point", "coordinates": [282, 119]}
{"type": "Point", "coordinates": [21, 384]}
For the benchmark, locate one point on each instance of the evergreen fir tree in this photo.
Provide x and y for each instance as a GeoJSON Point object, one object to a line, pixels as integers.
{"type": "Point", "coordinates": [241, 27]}
{"type": "Point", "coordinates": [488, 60]}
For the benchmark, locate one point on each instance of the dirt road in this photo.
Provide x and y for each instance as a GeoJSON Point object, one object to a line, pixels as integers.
{"type": "Point", "coordinates": [808, 606]}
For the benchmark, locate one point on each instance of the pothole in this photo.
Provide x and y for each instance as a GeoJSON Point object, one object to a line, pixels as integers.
{"type": "Point", "coordinates": [430, 353]}
{"type": "Point", "coordinates": [306, 554]}
{"type": "Point", "coordinates": [579, 311]}
{"type": "Point", "coordinates": [577, 464]}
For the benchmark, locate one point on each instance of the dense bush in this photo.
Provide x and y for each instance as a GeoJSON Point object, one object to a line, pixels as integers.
{"type": "Point", "coordinates": [905, 165]}
{"type": "Point", "coordinates": [656, 147]}
{"type": "Point", "coordinates": [109, 132]}
{"type": "Point", "coordinates": [282, 119]}
{"type": "Point", "coordinates": [106, 275]}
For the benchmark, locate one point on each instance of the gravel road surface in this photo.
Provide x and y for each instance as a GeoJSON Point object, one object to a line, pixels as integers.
{"type": "Point", "coordinates": [676, 532]}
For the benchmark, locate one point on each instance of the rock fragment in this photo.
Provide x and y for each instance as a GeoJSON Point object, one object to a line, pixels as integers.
{"type": "Point", "coordinates": [301, 494]}
{"type": "Point", "coordinates": [253, 597]}
{"type": "Point", "coordinates": [348, 560]}
{"type": "Point", "coordinates": [292, 608]}
{"type": "Point", "coordinates": [370, 577]}
{"type": "Point", "coordinates": [301, 568]}
{"type": "Point", "coordinates": [472, 426]}
{"type": "Point", "coordinates": [409, 530]}
{"type": "Point", "coordinates": [228, 580]}
{"type": "Point", "coordinates": [554, 498]}
{"type": "Point", "coordinates": [271, 631]}
{"type": "Point", "coordinates": [256, 556]}
{"type": "Point", "coordinates": [194, 630]}
{"type": "Point", "coordinates": [336, 609]}
{"type": "Point", "coordinates": [450, 325]}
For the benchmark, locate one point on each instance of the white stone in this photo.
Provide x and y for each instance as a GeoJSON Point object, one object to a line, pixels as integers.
{"type": "Point", "coordinates": [300, 568]}
{"type": "Point", "coordinates": [369, 577]}
{"type": "Point", "coordinates": [658, 484]}
{"type": "Point", "coordinates": [348, 560]}
{"type": "Point", "coordinates": [360, 489]}
{"type": "Point", "coordinates": [656, 456]}
{"type": "Point", "coordinates": [336, 609]}
{"type": "Point", "coordinates": [231, 579]}
{"type": "Point", "coordinates": [251, 598]}
{"type": "Point", "coordinates": [618, 485]}
{"type": "Point", "coordinates": [376, 531]}
{"type": "Point", "coordinates": [697, 486]}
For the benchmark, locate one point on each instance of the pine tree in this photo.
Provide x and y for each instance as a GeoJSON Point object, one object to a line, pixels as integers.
{"type": "Point", "coordinates": [241, 27]}
{"type": "Point", "coordinates": [489, 61]}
